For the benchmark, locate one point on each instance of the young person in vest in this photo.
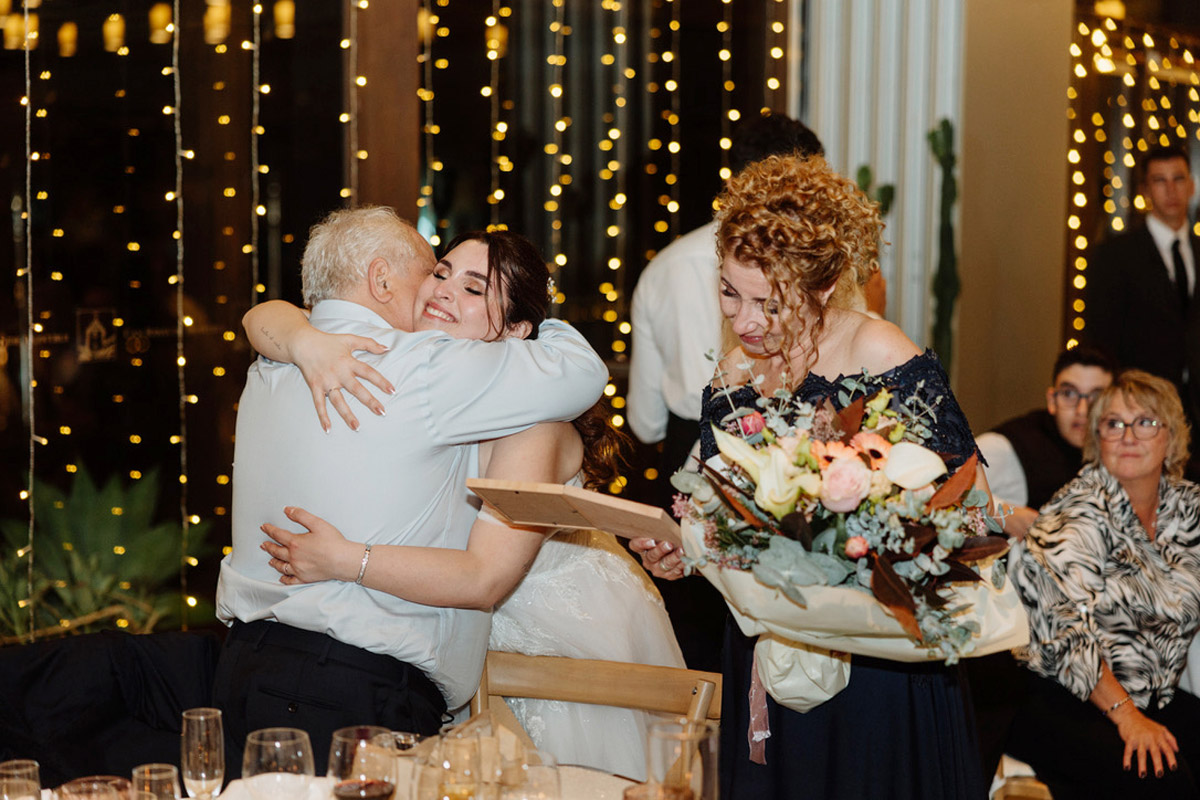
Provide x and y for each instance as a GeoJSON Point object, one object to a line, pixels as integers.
{"type": "Point", "coordinates": [1034, 455]}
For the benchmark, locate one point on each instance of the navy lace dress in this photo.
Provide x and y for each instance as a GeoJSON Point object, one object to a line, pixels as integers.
{"type": "Point", "coordinates": [898, 731]}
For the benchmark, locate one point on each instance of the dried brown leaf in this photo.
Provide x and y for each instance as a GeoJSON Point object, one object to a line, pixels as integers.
{"type": "Point", "coordinates": [953, 489]}
{"type": "Point", "coordinates": [977, 548]}
{"type": "Point", "coordinates": [891, 591]}
{"type": "Point", "coordinates": [851, 418]}
{"type": "Point", "coordinates": [734, 497]}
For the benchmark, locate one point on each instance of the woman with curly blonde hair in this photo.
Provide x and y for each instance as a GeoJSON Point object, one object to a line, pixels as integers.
{"type": "Point", "coordinates": [790, 231]}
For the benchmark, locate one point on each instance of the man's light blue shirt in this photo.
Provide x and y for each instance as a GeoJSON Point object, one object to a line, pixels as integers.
{"type": "Point", "coordinates": [399, 479]}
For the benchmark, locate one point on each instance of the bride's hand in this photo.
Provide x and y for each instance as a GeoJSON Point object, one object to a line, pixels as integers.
{"type": "Point", "coordinates": [328, 364]}
{"type": "Point", "coordinates": [319, 555]}
{"type": "Point", "coordinates": [661, 559]}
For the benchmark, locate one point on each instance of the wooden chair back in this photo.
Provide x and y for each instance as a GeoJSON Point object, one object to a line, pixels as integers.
{"type": "Point", "coordinates": [684, 692]}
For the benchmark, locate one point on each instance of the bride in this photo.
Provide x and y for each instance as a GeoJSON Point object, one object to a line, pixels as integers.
{"type": "Point", "coordinates": [575, 594]}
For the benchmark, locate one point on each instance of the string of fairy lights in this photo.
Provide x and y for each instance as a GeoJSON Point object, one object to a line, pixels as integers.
{"type": "Point", "coordinates": [614, 145]}
{"type": "Point", "coordinates": [559, 159]}
{"type": "Point", "coordinates": [27, 219]}
{"type": "Point", "coordinates": [180, 316]}
{"type": "Point", "coordinates": [729, 113]}
{"type": "Point", "coordinates": [430, 28]}
{"type": "Point", "coordinates": [495, 36]}
{"type": "Point", "coordinates": [350, 116]}
{"type": "Point", "coordinates": [775, 37]}
{"type": "Point", "coordinates": [1131, 89]}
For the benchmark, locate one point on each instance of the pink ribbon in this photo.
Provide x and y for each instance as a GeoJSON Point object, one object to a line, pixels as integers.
{"type": "Point", "coordinates": [760, 727]}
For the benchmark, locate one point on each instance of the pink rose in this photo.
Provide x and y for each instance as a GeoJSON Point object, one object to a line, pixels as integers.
{"type": "Point", "coordinates": [752, 423]}
{"type": "Point", "coordinates": [856, 547]}
{"type": "Point", "coordinates": [844, 483]}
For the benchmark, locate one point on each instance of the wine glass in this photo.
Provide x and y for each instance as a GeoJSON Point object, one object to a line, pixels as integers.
{"type": "Point", "coordinates": [681, 757]}
{"type": "Point", "coordinates": [362, 769]}
{"type": "Point", "coordinates": [203, 752]}
{"type": "Point", "coordinates": [160, 779]}
{"type": "Point", "coordinates": [450, 771]}
{"type": "Point", "coordinates": [93, 788]}
{"type": "Point", "coordinates": [19, 780]}
{"type": "Point", "coordinates": [532, 776]}
{"type": "Point", "coordinates": [278, 763]}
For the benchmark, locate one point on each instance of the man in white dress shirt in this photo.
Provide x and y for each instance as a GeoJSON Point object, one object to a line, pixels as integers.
{"type": "Point", "coordinates": [1139, 302]}
{"type": "Point", "coordinates": [326, 655]}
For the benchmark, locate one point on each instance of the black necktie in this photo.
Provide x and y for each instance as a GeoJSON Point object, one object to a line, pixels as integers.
{"type": "Point", "coordinates": [1181, 278]}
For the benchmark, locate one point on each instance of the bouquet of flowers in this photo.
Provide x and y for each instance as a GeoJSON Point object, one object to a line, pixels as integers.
{"type": "Point", "coordinates": [804, 497]}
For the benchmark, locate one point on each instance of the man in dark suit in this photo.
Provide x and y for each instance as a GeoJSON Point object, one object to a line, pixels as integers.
{"type": "Point", "coordinates": [1140, 301]}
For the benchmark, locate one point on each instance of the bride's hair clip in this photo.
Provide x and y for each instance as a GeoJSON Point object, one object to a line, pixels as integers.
{"type": "Point", "coordinates": [551, 289]}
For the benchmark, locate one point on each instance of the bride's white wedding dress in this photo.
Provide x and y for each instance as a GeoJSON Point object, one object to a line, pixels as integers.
{"type": "Point", "coordinates": [585, 597]}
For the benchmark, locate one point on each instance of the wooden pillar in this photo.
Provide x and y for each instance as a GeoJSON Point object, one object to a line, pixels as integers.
{"type": "Point", "coordinates": [389, 112]}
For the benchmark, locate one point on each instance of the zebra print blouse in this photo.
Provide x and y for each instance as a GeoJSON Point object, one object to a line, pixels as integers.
{"type": "Point", "coordinates": [1098, 590]}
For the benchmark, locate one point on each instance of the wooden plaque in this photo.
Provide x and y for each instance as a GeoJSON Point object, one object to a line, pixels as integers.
{"type": "Point", "coordinates": [553, 505]}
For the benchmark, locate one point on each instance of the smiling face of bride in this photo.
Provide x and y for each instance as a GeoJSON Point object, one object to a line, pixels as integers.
{"type": "Point", "coordinates": [467, 295]}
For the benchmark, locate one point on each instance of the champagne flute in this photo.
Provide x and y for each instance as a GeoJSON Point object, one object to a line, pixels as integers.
{"type": "Point", "coordinates": [160, 779]}
{"type": "Point", "coordinates": [19, 780]}
{"type": "Point", "coordinates": [361, 768]}
{"type": "Point", "coordinates": [278, 763]}
{"type": "Point", "coordinates": [203, 752]}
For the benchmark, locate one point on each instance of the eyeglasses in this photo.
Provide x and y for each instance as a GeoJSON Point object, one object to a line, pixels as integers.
{"type": "Point", "coordinates": [1113, 429]}
{"type": "Point", "coordinates": [1071, 396]}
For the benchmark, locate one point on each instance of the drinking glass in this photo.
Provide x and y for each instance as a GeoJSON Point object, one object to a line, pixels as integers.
{"type": "Point", "coordinates": [19, 780]}
{"type": "Point", "coordinates": [278, 763]}
{"type": "Point", "coordinates": [681, 757]}
{"type": "Point", "coordinates": [161, 779]}
{"type": "Point", "coordinates": [361, 768]}
{"type": "Point", "coordinates": [202, 759]}
{"type": "Point", "coordinates": [402, 742]}
{"type": "Point", "coordinates": [450, 772]}
{"type": "Point", "coordinates": [121, 785]}
{"type": "Point", "coordinates": [19, 789]}
{"type": "Point", "coordinates": [93, 788]}
{"type": "Point", "coordinates": [533, 776]}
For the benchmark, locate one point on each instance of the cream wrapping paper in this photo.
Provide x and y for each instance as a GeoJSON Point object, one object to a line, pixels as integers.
{"type": "Point", "coordinates": [794, 655]}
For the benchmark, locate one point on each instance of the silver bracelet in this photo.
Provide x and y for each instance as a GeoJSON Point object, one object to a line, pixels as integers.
{"type": "Point", "coordinates": [1111, 708]}
{"type": "Point", "coordinates": [362, 570]}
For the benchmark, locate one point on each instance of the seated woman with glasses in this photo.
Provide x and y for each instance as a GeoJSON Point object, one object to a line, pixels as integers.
{"type": "Point", "coordinates": [1110, 574]}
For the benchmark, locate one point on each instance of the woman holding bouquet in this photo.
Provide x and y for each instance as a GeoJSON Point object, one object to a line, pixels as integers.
{"type": "Point", "coordinates": [789, 229]}
{"type": "Point", "coordinates": [1110, 572]}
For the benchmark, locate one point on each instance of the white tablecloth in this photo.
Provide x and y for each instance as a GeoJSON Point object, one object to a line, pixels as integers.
{"type": "Point", "coordinates": [578, 783]}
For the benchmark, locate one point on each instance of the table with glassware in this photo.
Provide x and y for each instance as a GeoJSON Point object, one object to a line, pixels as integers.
{"type": "Point", "coordinates": [477, 760]}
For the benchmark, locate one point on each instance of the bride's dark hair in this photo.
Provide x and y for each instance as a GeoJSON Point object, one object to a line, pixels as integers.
{"type": "Point", "coordinates": [516, 269]}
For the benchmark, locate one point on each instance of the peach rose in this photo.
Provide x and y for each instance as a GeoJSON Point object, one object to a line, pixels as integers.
{"type": "Point", "coordinates": [844, 483]}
